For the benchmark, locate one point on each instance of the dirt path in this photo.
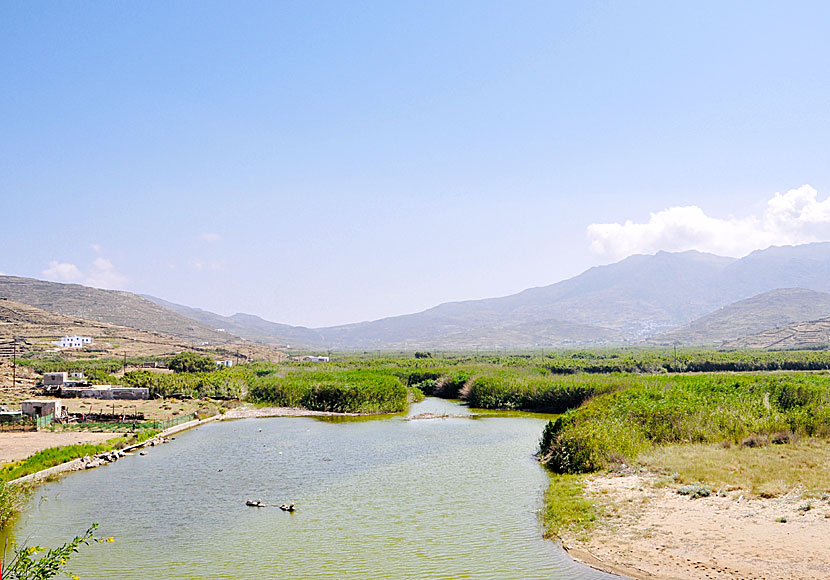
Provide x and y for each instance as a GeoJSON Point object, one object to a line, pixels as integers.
{"type": "Point", "coordinates": [15, 446]}
{"type": "Point", "coordinates": [653, 532]}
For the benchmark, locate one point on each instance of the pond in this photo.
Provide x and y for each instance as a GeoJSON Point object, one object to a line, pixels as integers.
{"type": "Point", "coordinates": [381, 498]}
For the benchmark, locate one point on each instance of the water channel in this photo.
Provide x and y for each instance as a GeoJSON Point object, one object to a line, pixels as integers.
{"type": "Point", "coordinates": [376, 498]}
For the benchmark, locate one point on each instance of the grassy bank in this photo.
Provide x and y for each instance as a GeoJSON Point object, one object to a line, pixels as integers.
{"type": "Point", "coordinates": [565, 507]}
{"type": "Point", "coordinates": [766, 469]}
{"type": "Point", "coordinates": [711, 408]}
{"type": "Point", "coordinates": [57, 455]}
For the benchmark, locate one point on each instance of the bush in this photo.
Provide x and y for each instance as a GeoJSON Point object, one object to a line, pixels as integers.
{"type": "Point", "coordinates": [191, 362]}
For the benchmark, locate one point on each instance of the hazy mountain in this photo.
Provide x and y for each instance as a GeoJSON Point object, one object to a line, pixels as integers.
{"type": "Point", "coordinates": [111, 306]}
{"type": "Point", "coordinates": [247, 326]}
{"type": "Point", "coordinates": [637, 297]}
{"type": "Point", "coordinates": [640, 296]}
{"type": "Point", "coordinates": [753, 315]}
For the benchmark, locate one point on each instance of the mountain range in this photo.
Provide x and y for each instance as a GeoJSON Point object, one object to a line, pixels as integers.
{"type": "Point", "coordinates": [687, 297]}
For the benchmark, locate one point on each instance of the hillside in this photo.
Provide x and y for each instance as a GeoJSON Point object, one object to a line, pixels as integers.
{"type": "Point", "coordinates": [751, 316]}
{"type": "Point", "coordinates": [110, 306]}
{"type": "Point", "coordinates": [36, 329]}
{"type": "Point", "coordinates": [811, 334]}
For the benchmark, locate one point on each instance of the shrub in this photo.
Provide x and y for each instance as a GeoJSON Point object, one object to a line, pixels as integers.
{"type": "Point", "coordinates": [191, 362]}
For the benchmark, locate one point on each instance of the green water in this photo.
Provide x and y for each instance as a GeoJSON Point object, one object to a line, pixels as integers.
{"type": "Point", "coordinates": [387, 498]}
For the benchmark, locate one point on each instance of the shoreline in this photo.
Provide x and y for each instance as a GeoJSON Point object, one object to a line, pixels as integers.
{"type": "Point", "coordinates": [647, 530]}
{"type": "Point", "coordinates": [264, 412]}
{"type": "Point", "coordinates": [80, 464]}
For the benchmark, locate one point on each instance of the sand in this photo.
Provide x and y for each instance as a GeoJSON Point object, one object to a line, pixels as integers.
{"type": "Point", "coordinates": [650, 531]}
{"type": "Point", "coordinates": [19, 445]}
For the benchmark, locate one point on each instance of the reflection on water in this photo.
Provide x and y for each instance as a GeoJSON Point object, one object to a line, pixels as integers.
{"type": "Point", "coordinates": [387, 498]}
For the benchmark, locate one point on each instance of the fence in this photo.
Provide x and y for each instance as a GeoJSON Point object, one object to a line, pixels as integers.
{"type": "Point", "coordinates": [172, 422]}
{"type": "Point", "coordinates": [43, 422]}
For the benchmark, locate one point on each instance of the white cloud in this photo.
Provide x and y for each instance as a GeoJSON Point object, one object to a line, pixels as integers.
{"type": "Point", "coordinates": [796, 217]}
{"type": "Point", "coordinates": [62, 272]}
{"type": "Point", "coordinates": [100, 274]}
{"type": "Point", "coordinates": [210, 237]}
{"type": "Point", "coordinates": [96, 248]}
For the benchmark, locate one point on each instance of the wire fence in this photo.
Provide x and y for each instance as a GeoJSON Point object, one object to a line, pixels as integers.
{"type": "Point", "coordinates": [128, 425]}
{"type": "Point", "coordinates": [173, 421]}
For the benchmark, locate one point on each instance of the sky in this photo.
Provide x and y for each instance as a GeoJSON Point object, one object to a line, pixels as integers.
{"type": "Point", "coordinates": [333, 162]}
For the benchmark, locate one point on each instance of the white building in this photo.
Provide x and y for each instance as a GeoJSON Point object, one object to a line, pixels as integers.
{"type": "Point", "coordinates": [311, 358]}
{"type": "Point", "coordinates": [224, 363]}
{"type": "Point", "coordinates": [73, 341]}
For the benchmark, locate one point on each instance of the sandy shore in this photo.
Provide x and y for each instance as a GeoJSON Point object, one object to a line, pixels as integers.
{"type": "Point", "coordinates": [249, 412]}
{"type": "Point", "coordinates": [19, 445]}
{"type": "Point", "coordinates": [650, 531]}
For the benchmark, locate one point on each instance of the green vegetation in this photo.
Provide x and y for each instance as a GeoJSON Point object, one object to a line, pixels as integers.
{"type": "Point", "coordinates": [655, 410]}
{"type": "Point", "coordinates": [342, 391]}
{"type": "Point", "coordinates": [191, 362]}
{"type": "Point", "coordinates": [566, 507]}
{"type": "Point", "coordinates": [26, 565]}
{"type": "Point", "coordinates": [56, 455]}
{"type": "Point", "coordinates": [12, 499]}
{"type": "Point", "coordinates": [222, 384]}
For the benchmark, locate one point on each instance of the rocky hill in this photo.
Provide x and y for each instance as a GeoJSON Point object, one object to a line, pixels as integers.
{"type": "Point", "coordinates": [810, 334]}
{"type": "Point", "coordinates": [110, 306]}
{"type": "Point", "coordinates": [751, 316]}
{"type": "Point", "coordinates": [27, 329]}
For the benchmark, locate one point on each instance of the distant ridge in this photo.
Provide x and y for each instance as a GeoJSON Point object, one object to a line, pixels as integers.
{"type": "Point", "coordinates": [643, 297]}
{"type": "Point", "coordinates": [637, 298]}
{"type": "Point", "coordinates": [110, 306]}
{"type": "Point", "coordinates": [246, 326]}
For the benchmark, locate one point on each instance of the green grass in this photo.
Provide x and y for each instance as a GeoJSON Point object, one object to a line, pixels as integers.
{"type": "Point", "coordinates": [57, 455]}
{"type": "Point", "coordinates": [566, 508]}
{"type": "Point", "coordinates": [706, 408]}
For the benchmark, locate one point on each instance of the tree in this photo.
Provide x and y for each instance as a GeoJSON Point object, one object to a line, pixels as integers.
{"type": "Point", "coordinates": [191, 362]}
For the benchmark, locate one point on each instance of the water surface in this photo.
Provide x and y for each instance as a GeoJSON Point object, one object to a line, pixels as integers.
{"type": "Point", "coordinates": [384, 498]}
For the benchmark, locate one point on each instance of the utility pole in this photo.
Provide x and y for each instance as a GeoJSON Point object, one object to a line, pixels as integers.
{"type": "Point", "coordinates": [14, 362]}
{"type": "Point", "coordinates": [675, 358]}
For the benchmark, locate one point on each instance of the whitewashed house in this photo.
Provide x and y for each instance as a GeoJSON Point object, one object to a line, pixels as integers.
{"type": "Point", "coordinates": [74, 341]}
{"type": "Point", "coordinates": [311, 358]}
{"type": "Point", "coordinates": [224, 363]}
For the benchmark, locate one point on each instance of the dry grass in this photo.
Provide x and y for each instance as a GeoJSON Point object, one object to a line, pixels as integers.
{"type": "Point", "coordinates": [766, 471]}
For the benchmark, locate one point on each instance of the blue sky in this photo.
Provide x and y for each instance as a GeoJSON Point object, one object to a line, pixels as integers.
{"type": "Point", "coordinates": [331, 162]}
